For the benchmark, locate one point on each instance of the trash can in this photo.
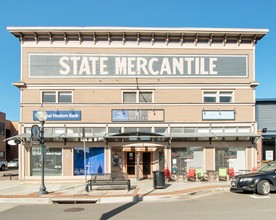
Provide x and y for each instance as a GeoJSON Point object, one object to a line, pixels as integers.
{"type": "Point", "coordinates": [159, 179]}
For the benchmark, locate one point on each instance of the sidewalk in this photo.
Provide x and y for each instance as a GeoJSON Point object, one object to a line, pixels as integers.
{"type": "Point", "coordinates": [15, 191]}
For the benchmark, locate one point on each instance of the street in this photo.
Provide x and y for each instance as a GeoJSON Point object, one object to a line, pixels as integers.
{"type": "Point", "coordinates": [208, 206]}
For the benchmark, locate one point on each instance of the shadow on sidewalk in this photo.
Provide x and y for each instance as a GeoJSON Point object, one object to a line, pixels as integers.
{"type": "Point", "coordinates": [136, 199]}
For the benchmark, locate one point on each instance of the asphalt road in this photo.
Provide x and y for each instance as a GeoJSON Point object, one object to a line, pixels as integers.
{"type": "Point", "coordinates": [210, 206]}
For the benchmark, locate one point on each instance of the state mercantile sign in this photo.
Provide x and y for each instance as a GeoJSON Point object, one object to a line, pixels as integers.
{"type": "Point", "coordinates": [112, 65]}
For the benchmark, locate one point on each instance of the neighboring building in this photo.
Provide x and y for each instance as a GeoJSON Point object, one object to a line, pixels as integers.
{"type": "Point", "coordinates": [266, 120]}
{"type": "Point", "coordinates": [7, 129]}
{"type": "Point", "coordinates": [137, 99]}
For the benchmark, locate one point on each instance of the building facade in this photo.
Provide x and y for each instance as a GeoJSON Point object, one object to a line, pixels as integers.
{"type": "Point", "coordinates": [266, 121]}
{"type": "Point", "coordinates": [136, 100]}
{"type": "Point", "coordinates": [7, 129]}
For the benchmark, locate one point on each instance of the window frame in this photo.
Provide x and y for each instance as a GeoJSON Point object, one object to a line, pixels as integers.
{"type": "Point", "coordinates": [217, 94]}
{"type": "Point", "coordinates": [57, 96]}
{"type": "Point", "coordinates": [137, 96]}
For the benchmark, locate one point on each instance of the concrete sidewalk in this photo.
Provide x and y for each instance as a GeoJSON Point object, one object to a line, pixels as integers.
{"type": "Point", "coordinates": [15, 191]}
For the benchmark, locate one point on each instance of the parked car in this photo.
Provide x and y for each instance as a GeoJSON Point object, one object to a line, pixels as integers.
{"type": "Point", "coordinates": [13, 163]}
{"type": "Point", "coordinates": [3, 165]}
{"type": "Point", "coordinates": [262, 181]}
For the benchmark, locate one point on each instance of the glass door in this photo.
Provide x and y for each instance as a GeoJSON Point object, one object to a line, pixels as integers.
{"type": "Point", "coordinates": [131, 163]}
{"type": "Point", "coordinates": [146, 164]}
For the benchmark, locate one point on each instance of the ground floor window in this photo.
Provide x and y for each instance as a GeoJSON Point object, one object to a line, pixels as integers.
{"type": "Point", "coordinates": [185, 158]}
{"type": "Point", "coordinates": [94, 160]}
{"type": "Point", "coordinates": [230, 157]}
{"type": "Point", "coordinates": [268, 153]}
{"type": "Point", "coordinates": [52, 165]}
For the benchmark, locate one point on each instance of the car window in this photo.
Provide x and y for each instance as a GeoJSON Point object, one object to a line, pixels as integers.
{"type": "Point", "coordinates": [268, 167]}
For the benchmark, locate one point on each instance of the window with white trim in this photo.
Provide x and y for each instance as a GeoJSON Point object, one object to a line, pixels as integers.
{"type": "Point", "coordinates": [138, 97]}
{"type": "Point", "coordinates": [217, 96]}
{"type": "Point", "coordinates": [57, 97]}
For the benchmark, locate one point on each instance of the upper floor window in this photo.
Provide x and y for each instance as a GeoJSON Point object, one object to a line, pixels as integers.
{"type": "Point", "coordinates": [57, 97]}
{"type": "Point", "coordinates": [2, 128]}
{"type": "Point", "coordinates": [137, 97]}
{"type": "Point", "coordinates": [218, 96]}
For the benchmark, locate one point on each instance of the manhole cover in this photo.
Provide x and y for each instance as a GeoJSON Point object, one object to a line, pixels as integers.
{"type": "Point", "coordinates": [73, 210]}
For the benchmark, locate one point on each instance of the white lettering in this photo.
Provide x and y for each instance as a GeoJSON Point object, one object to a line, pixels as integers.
{"type": "Point", "coordinates": [212, 66]}
{"type": "Point", "coordinates": [84, 67]}
{"type": "Point", "coordinates": [152, 72]}
{"type": "Point", "coordinates": [103, 66]}
{"type": "Point", "coordinates": [75, 64]}
{"type": "Point", "coordinates": [93, 64]}
{"type": "Point", "coordinates": [189, 65]}
{"type": "Point", "coordinates": [64, 65]}
{"type": "Point", "coordinates": [120, 66]}
{"type": "Point", "coordinates": [141, 65]}
{"type": "Point", "coordinates": [178, 64]}
{"type": "Point", "coordinates": [165, 67]}
{"type": "Point", "coordinates": [130, 66]}
{"type": "Point", "coordinates": [202, 67]}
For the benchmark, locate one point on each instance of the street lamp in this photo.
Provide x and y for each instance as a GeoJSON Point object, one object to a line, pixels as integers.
{"type": "Point", "coordinates": [42, 117]}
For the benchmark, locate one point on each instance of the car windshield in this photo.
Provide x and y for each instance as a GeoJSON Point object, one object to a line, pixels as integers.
{"type": "Point", "coordinates": [268, 167]}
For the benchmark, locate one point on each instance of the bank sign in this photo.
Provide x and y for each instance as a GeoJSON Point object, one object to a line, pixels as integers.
{"type": "Point", "coordinates": [98, 65]}
{"type": "Point", "coordinates": [61, 116]}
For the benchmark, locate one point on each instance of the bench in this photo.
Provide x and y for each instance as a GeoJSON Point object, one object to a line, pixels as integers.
{"type": "Point", "coordinates": [109, 179]}
{"type": "Point", "coordinates": [10, 175]}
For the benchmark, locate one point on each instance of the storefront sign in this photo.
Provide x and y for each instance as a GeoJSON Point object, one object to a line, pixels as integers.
{"type": "Point", "coordinates": [218, 115]}
{"type": "Point", "coordinates": [98, 65]}
{"type": "Point", "coordinates": [269, 155]}
{"type": "Point", "coordinates": [138, 115]}
{"type": "Point", "coordinates": [61, 115]}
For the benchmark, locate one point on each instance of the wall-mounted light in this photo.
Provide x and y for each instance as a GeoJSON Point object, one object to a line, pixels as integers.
{"type": "Point", "coordinates": [123, 111]}
{"type": "Point", "coordinates": [138, 111]}
{"type": "Point", "coordinates": [57, 111]}
{"type": "Point", "coordinates": [153, 109]}
{"type": "Point", "coordinates": [72, 110]}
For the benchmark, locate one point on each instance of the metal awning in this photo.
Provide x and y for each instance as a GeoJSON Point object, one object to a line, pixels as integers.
{"type": "Point", "coordinates": [140, 135]}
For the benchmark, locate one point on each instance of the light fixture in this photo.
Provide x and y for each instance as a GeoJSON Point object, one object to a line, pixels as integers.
{"type": "Point", "coordinates": [41, 115]}
{"type": "Point", "coordinates": [72, 110]}
{"type": "Point", "coordinates": [153, 111]}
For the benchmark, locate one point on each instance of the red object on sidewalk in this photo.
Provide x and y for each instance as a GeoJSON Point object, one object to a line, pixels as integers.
{"type": "Point", "coordinates": [167, 173]}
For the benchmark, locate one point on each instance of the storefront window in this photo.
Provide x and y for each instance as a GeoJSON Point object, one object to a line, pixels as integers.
{"type": "Point", "coordinates": [230, 157]}
{"type": "Point", "coordinates": [185, 158]}
{"type": "Point", "coordinates": [53, 162]}
{"type": "Point", "coordinates": [268, 149]}
{"type": "Point", "coordinates": [94, 160]}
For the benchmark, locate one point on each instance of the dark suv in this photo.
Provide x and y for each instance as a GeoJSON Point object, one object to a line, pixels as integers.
{"type": "Point", "coordinates": [261, 181]}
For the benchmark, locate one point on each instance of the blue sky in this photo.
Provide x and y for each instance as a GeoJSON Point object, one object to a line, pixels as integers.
{"type": "Point", "coordinates": [138, 13]}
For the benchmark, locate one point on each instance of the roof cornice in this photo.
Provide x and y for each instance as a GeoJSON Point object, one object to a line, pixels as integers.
{"type": "Point", "coordinates": [150, 34]}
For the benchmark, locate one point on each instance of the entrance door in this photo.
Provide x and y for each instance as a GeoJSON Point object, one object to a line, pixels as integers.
{"type": "Point", "coordinates": [131, 163]}
{"type": "Point", "coordinates": [146, 164]}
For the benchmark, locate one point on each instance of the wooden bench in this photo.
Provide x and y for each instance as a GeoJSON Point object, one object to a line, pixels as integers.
{"type": "Point", "coordinates": [109, 179]}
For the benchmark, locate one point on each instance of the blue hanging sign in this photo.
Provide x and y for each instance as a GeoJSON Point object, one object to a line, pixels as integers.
{"type": "Point", "coordinates": [61, 115]}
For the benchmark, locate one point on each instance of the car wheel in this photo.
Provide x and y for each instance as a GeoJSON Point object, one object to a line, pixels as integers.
{"type": "Point", "coordinates": [263, 187]}
{"type": "Point", "coordinates": [3, 167]}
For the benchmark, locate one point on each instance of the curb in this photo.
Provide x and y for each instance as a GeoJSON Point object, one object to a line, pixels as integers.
{"type": "Point", "coordinates": [172, 196]}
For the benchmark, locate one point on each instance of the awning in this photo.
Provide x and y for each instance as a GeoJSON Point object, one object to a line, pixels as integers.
{"type": "Point", "coordinates": [138, 135]}
{"type": "Point", "coordinates": [269, 135]}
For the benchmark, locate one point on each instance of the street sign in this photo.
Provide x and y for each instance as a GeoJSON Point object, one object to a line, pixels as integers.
{"type": "Point", "coordinates": [34, 142]}
{"type": "Point", "coordinates": [35, 132]}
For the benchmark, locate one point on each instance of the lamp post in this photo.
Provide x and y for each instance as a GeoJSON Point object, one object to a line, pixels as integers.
{"type": "Point", "coordinates": [42, 117]}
